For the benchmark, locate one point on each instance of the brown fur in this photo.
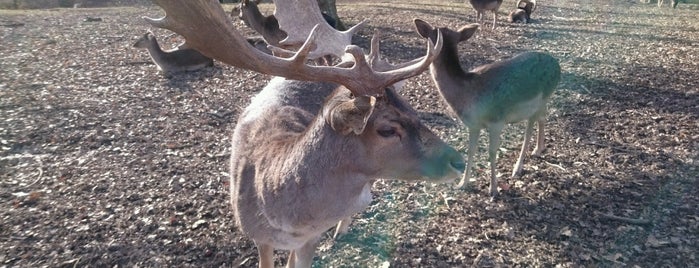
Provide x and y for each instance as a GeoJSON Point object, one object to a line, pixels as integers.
{"type": "Point", "coordinates": [175, 60]}
{"type": "Point", "coordinates": [267, 26]}
{"type": "Point", "coordinates": [481, 6]}
{"type": "Point", "coordinates": [492, 95]}
{"type": "Point", "coordinates": [299, 167]}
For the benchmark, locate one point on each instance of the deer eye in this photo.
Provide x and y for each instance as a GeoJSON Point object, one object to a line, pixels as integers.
{"type": "Point", "coordinates": [386, 133]}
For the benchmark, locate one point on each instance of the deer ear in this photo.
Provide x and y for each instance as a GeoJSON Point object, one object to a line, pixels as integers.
{"type": "Point", "coordinates": [467, 31]}
{"type": "Point", "coordinates": [351, 116]}
{"type": "Point", "coordinates": [423, 28]}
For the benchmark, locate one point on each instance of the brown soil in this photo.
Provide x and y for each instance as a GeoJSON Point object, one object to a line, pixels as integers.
{"type": "Point", "coordinates": [104, 162]}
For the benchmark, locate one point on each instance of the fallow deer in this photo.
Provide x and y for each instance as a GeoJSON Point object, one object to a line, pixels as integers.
{"type": "Point", "coordinates": [492, 95]}
{"type": "Point", "coordinates": [177, 60]}
{"type": "Point", "coordinates": [481, 6]}
{"type": "Point", "coordinates": [267, 26]}
{"type": "Point", "coordinates": [523, 12]}
{"type": "Point", "coordinates": [673, 3]}
{"type": "Point", "coordinates": [303, 153]}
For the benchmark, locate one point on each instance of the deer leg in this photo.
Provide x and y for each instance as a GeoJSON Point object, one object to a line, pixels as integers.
{"type": "Point", "coordinates": [266, 254]}
{"type": "Point", "coordinates": [495, 18]}
{"type": "Point", "coordinates": [472, 148]}
{"type": "Point", "coordinates": [517, 171]}
{"type": "Point", "coordinates": [540, 138]}
{"type": "Point", "coordinates": [303, 257]}
{"type": "Point", "coordinates": [342, 227]}
{"type": "Point", "coordinates": [493, 146]}
{"type": "Point", "coordinates": [291, 262]}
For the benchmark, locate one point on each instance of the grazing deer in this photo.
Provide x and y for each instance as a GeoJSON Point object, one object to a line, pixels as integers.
{"type": "Point", "coordinates": [493, 95]}
{"type": "Point", "coordinates": [486, 5]}
{"type": "Point", "coordinates": [304, 153]}
{"type": "Point", "coordinates": [177, 60]}
{"type": "Point", "coordinates": [523, 12]}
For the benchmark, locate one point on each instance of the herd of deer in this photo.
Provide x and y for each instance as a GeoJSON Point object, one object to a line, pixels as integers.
{"type": "Point", "coordinates": [308, 147]}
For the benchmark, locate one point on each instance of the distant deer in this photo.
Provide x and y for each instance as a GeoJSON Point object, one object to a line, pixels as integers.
{"type": "Point", "coordinates": [174, 60]}
{"type": "Point", "coordinates": [304, 153]}
{"type": "Point", "coordinates": [523, 12]}
{"type": "Point", "coordinates": [492, 95]}
{"type": "Point", "coordinates": [673, 3]}
{"type": "Point", "coordinates": [486, 5]}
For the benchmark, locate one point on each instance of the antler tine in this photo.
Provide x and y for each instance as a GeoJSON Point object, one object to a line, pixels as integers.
{"type": "Point", "coordinates": [375, 50]}
{"type": "Point", "coordinates": [296, 27]}
{"type": "Point", "coordinates": [207, 28]}
{"type": "Point", "coordinates": [413, 67]}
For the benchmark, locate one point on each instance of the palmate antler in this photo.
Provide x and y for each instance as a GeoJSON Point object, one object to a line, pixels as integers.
{"type": "Point", "coordinates": [207, 28]}
{"type": "Point", "coordinates": [298, 17]}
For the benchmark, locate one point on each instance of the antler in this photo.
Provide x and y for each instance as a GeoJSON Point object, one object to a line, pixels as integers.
{"type": "Point", "coordinates": [209, 30]}
{"type": "Point", "coordinates": [297, 17]}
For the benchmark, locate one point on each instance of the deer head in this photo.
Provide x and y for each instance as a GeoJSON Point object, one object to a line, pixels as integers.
{"type": "Point", "coordinates": [267, 26]}
{"type": "Point", "coordinates": [304, 153]}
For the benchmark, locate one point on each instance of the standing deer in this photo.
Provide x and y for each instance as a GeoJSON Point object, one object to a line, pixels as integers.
{"type": "Point", "coordinates": [303, 153]}
{"type": "Point", "coordinates": [177, 60]}
{"type": "Point", "coordinates": [493, 95]}
{"type": "Point", "coordinates": [486, 5]}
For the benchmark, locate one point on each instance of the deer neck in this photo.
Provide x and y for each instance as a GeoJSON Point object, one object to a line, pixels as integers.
{"type": "Point", "coordinates": [301, 171]}
{"type": "Point", "coordinates": [257, 21]}
{"type": "Point", "coordinates": [454, 84]}
{"type": "Point", "coordinates": [156, 53]}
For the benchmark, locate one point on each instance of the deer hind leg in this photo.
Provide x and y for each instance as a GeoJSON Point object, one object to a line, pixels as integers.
{"type": "Point", "coordinates": [540, 138]}
{"type": "Point", "coordinates": [493, 146]}
{"type": "Point", "coordinates": [517, 171]}
{"type": "Point", "coordinates": [472, 148]}
{"type": "Point", "coordinates": [266, 255]}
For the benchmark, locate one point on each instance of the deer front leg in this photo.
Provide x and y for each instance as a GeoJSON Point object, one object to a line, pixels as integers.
{"type": "Point", "coordinates": [266, 254]}
{"type": "Point", "coordinates": [303, 257]}
{"type": "Point", "coordinates": [472, 148]}
{"type": "Point", "coordinates": [493, 146]}
{"type": "Point", "coordinates": [517, 170]}
{"type": "Point", "coordinates": [495, 18]}
{"type": "Point", "coordinates": [342, 227]}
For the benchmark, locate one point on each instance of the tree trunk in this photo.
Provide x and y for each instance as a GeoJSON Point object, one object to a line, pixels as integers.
{"type": "Point", "coordinates": [328, 7]}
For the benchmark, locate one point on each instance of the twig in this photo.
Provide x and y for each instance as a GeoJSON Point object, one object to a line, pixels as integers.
{"type": "Point", "coordinates": [639, 221]}
{"type": "Point", "coordinates": [585, 89]}
{"type": "Point", "coordinates": [446, 200]}
{"type": "Point", "coordinates": [554, 165]}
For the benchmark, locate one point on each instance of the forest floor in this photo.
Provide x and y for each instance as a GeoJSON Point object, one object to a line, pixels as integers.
{"type": "Point", "coordinates": [105, 162]}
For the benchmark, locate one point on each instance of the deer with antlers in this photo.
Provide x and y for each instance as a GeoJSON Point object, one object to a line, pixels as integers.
{"type": "Point", "coordinates": [492, 95]}
{"type": "Point", "coordinates": [304, 153]}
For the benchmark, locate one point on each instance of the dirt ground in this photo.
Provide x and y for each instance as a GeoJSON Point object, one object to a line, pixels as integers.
{"type": "Point", "coordinates": [104, 162]}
